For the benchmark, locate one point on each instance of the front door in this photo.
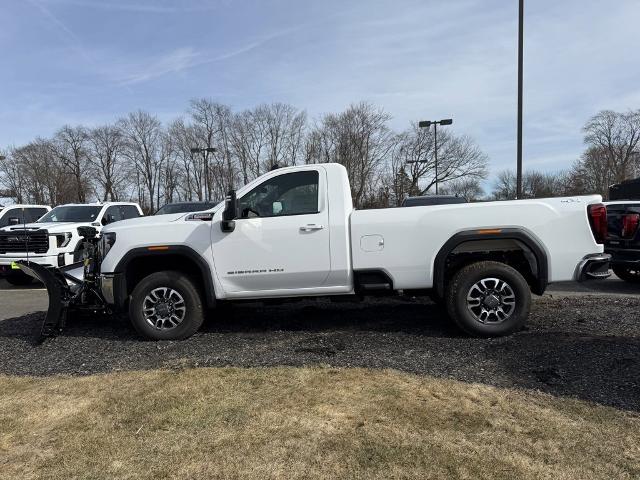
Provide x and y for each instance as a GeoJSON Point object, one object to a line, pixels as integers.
{"type": "Point", "coordinates": [281, 238]}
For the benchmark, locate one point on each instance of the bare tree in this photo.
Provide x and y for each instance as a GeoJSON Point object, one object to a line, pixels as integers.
{"type": "Point", "coordinates": [143, 134]}
{"type": "Point", "coordinates": [70, 145]}
{"type": "Point", "coordinates": [285, 126]}
{"type": "Point", "coordinates": [612, 153]}
{"type": "Point", "coordinates": [468, 188]}
{"type": "Point", "coordinates": [535, 184]}
{"type": "Point", "coordinates": [11, 179]}
{"type": "Point", "coordinates": [249, 142]}
{"type": "Point", "coordinates": [458, 157]}
{"type": "Point", "coordinates": [106, 157]}
{"type": "Point", "coordinates": [359, 139]}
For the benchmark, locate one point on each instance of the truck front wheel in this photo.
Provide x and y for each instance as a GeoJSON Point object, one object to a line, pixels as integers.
{"type": "Point", "coordinates": [488, 299]}
{"type": "Point", "coordinates": [166, 306]}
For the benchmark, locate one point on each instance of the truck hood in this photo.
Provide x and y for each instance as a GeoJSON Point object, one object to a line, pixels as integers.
{"type": "Point", "coordinates": [144, 222]}
{"type": "Point", "coordinates": [51, 227]}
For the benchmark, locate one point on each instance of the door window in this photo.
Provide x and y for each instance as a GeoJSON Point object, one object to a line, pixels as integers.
{"type": "Point", "coordinates": [287, 194]}
{"type": "Point", "coordinates": [129, 211]}
{"type": "Point", "coordinates": [33, 214]}
{"type": "Point", "coordinates": [11, 213]}
{"type": "Point", "coordinates": [112, 215]}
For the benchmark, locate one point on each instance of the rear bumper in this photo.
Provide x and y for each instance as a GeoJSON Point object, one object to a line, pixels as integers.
{"type": "Point", "coordinates": [594, 267]}
{"type": "Point", "coordinates": [628, 257]}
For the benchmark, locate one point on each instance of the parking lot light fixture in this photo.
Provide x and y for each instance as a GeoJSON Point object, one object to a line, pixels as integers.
{"type": "Point", "coordinates": [427, 124]}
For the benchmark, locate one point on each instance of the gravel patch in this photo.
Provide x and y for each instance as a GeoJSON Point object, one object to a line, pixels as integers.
{"type": "Point", "coordinates": [584, 347]}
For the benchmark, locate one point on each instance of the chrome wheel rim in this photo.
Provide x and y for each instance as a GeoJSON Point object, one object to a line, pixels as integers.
{"type": "Point", "coordinates": [164, 308]}
{"type": "Point", "coordinates": [491, 301]}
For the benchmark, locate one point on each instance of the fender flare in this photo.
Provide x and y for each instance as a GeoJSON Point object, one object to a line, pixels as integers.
{"type": "Point", "coordinates": [521, 236]}
{"type": "Point", "coordinates": [120, 281]}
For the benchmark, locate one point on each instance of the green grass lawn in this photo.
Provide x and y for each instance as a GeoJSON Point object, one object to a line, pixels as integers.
{"type": "Point", "coordinates": [303, 423]}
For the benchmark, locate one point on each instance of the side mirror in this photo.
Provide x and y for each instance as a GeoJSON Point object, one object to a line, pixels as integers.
{"type": "Point", "coordinates": [14, 221]}
{"type": "Point", "coordinates": [107, 219]}
{"type": "Point", "coordinates": [230, 212]}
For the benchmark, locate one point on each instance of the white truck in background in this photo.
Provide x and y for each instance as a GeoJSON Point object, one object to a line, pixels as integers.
{"type": "Point", "coordinates": [19, 214]}
{"type": "Point", "coordinates": [294, 233]}
{"type": "Point", "coordinates": [51, 238]}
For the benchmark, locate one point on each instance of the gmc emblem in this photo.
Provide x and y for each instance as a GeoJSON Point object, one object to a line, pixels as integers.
{"type": "Point", "coordinates": [16, 239]}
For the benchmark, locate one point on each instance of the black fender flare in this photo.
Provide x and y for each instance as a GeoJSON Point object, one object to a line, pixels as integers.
{"type": "Point", "coordinates": [536, 248]}
{"type": "Point", "coordinates": [120, 281]}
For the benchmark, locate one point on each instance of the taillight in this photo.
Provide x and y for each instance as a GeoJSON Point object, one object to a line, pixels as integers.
{"type": "Point", "coordinates": [598, 221]}
{"type": "Point", "coordinates": [630, 225]}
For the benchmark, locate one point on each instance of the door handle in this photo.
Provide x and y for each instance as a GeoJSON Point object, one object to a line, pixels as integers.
{"type": "Point", "coordinates": [310, 227]}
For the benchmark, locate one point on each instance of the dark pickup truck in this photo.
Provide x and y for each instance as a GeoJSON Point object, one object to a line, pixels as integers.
{"type": "Point", "coordinates": [623, 239]}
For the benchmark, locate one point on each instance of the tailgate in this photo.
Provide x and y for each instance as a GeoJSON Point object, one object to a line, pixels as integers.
{"type": "Point", "coordinates": [615, 216]}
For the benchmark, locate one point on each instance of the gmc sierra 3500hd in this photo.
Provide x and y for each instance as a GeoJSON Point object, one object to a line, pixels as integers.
{"type": "Point", "coordinates": [294, 233]}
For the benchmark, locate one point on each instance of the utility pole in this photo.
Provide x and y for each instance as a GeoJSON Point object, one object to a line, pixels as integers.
{"type": "Point", "coordinates": [520, 51]}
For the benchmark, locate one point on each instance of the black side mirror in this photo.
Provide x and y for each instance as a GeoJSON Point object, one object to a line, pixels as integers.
{"type": "Point", "coordinates": [107, 219]}
{"type": "Point", "coordinates": [230, 212]}
{"type": "Point", "coordinates": [14, 221]}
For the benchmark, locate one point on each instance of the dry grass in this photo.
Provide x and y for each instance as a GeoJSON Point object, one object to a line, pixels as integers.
{"type": "Point", "coordinates": [303, 423]}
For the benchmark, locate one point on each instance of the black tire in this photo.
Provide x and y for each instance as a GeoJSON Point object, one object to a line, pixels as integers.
{"type": "Point", "coordinates": [19, 279]}
{"type": "Point", "coordinates": [515, 299]}
{"type": "Point", "coordinates": [628, 274]}
{"type": "Point", "coordinates": [185, 288]}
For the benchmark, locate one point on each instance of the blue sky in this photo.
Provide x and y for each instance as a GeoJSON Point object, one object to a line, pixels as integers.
{"type": "Point", "coordinates": [91, 61]}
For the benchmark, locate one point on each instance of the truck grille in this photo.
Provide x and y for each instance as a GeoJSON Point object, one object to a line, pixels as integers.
{"type": "Point", "coordinates": [23, 241]}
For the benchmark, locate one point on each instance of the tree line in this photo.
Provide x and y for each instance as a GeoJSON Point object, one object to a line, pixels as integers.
{"type": "Point", "coordinates": [139, 158]}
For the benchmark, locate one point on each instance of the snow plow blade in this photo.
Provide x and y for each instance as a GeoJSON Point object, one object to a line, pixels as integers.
{"type": "Point", "coordinates": [60, 295]}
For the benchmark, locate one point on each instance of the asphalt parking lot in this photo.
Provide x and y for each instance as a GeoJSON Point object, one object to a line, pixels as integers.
{"type": "Point", "coordinates": [581, 341]}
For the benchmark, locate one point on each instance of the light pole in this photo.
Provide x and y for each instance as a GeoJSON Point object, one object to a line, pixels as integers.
{"type": "Point", "coordinates": [427, 124]}
{"type": "Point", "coordinates": [519, 141]}
{"type": "Point", "coordinates": [204, 152]}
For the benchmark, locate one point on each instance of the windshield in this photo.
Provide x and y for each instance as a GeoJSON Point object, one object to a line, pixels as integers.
{"type": "Point", "coordinates": [72, 213]}
{"type": "Point", "coordinates": [185, 207]}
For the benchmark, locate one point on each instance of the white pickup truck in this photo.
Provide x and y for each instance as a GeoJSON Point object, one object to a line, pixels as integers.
{"type": "Point", "coordinates": [51, 238]}
{"type": "Point", "coordinates": [294, 233]}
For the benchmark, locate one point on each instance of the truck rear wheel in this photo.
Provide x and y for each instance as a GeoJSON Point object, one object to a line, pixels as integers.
{"type": "Point", "coordinates": [488, 299]}
{"type": "Point", "coordinates": [166, 306]}
{"type": "Point", "coordinates": [628, 274]}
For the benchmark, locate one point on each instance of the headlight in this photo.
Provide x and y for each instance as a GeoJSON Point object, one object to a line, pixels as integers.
{"type": "Point", "coordinates": [63, 239]}
{"type": "Point", "coordinates": [106, 242]}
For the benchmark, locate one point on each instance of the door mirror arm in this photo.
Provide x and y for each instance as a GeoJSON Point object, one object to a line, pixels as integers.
{"type": "Point", "coordinates": [230, 212]}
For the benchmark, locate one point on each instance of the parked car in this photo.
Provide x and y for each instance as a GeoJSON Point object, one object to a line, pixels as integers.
{"type": "Point", "coordinates": [53, 239]}
{"type": "Point", "coordinates": [627, 190]}
{"type": "Point", "coordinates": [426, 200]}
{"type": "Point", "coordinates": [185, 207]}
{"type": "Point", "coordinates": [19, 215]}
{"type": "Point", "coordinates": [294, 233]}
{"type": "Point", "coordinates": [623, 239]}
